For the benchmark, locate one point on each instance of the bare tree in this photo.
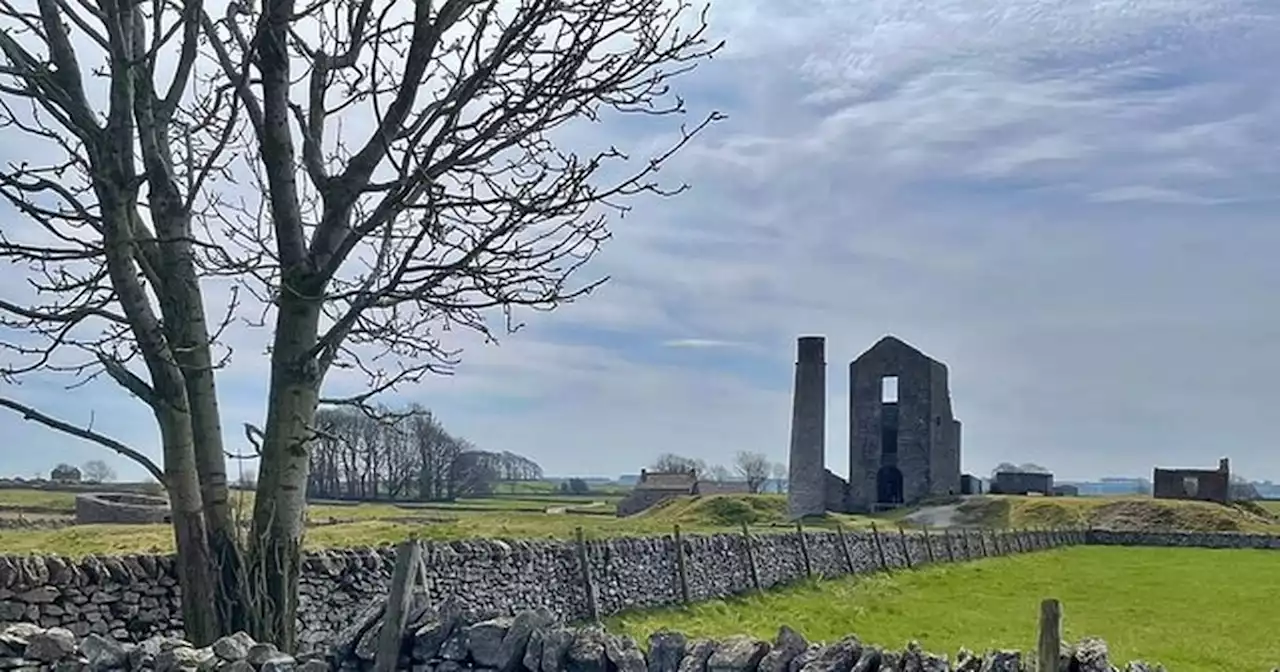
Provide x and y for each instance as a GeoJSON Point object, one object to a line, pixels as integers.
{"type": "Point", "coordinates": [753, 468]}
{"type": "Point", "coordinates": [111, 192]}
{"type": "Point", "coordinates": [413, 184]}
{"type": "Point", "coordinates": [419, 458]}
{"type": "Point", "coordinates": [671, 463]}
{"type": "Point", "coordinates": [97, 471]}
{"type": "Point", "coordinates": [65, 473]}
{"type": "Point", "coordinates": [719, 473]}
{"type": "Point", "coordinates": [780, 472]}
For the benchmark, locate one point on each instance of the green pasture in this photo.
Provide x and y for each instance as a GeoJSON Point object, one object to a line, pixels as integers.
{"type": "Point", "coordinates": [1193, 610]}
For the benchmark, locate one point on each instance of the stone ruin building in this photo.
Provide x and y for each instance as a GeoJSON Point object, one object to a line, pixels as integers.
{"type": "Point", "coordinates": [1206, 485]}
{"type": "Point", "coordinates": [131, 508]}
{"type": "Point", "coordinates": [904, 441]}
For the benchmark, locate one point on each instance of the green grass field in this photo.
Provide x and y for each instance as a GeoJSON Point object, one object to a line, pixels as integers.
{"type": "Point", "coordinates": [536, 510]}
{"type": "Point", "coordinates": [1193, 610]}
{"type": "Point", "coordinates": [513, 516]}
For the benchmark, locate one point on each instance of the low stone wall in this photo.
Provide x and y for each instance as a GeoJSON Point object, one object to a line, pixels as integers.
{"type": "Point", "coordinates": [121, 507]}
{"type": "Point", "coordinates": [1183, 539]}
{"type": "Point", "coordinates": [443, 640]}
{"type": "Point", "coordinates": [131, 598]}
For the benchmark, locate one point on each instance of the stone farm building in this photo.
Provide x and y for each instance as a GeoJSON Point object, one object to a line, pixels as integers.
{"type": "Point", "coordinates": [1208, 485]}
{"type": "Point", "coordinates": [656, 486]}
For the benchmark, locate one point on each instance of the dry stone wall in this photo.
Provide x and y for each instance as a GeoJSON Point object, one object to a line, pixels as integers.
{"type": "Point", "coordinates": [442, 639]}
{"type": "Point", "coordinates": [1238, 540]}
{"type": "Point", "coordinates": [132, 598]}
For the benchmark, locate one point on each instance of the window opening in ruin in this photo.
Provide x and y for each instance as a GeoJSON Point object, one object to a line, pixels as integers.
{"type": "Point", "coordinates": [1190, 485]}
{"type": "Point", "coordinates": [889, 390]}
{"type": "Point", "coordinates": [889, 440]}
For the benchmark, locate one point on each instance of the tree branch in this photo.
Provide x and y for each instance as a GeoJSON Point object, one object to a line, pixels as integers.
{"type": "Point", "coordinates": [29, 413]}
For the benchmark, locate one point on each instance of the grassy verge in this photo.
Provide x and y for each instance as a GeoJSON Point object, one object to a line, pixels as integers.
{"type": "Point", "coordinates": [1194, 610]}
{"type": "Point", "coordinates": [1134, 512]}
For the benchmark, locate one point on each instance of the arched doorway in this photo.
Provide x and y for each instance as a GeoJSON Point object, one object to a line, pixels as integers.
{"type": "Point", "coordinates": [889, 485]}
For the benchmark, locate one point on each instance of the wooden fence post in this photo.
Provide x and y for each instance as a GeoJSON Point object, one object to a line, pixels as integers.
{"type": "Point", "coordinates": [1050, 645]}
{"type": "Point", "coordinates": [946, 539]}
{"type": "Point", "coordinates": [682, 571]}
{"type": "Point", "coordinates": [844, 547]}
{"type": "Point", "coordinates": [403, 577]}
{"type": "Point", "coordinates": [982, 543]}
{"type": "Point", "coordinates": [804, 549]}
{"type": "Point", "coordinates": [751, 557]}
{"type": "Point", "coordinates": [928, 545]}
{"type": "Point", "coordinates": [588, 585]}
{"type": "Point", "coordinates": [875, 536]}
{"type": "Point", "coordinates": [906, 550]}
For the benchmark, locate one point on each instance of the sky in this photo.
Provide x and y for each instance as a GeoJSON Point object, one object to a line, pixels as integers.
{"type": "Point", "coordinates": [1069, 202]}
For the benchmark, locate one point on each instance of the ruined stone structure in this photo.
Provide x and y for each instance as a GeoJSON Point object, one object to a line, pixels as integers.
{"type": "Point", "coordinates": [1022, 483]}
{"type": "Point", "coordinates": [970, 485]}
{"type": "Point", "coordinates": [904, 441]}
{"type": "Point", "coordinates": [1207, 485]}
{"type": "Point", "coordinates": [807, 491]}
{"type": "Point", "coordinates": [121, 507]}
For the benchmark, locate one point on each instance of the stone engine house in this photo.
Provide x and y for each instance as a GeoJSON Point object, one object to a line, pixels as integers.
{"type": "Point", "coordinates": [904, 441]}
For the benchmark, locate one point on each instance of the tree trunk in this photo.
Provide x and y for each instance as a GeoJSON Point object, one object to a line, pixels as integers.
{"type": "Point", "coordinates": [187, 329]}
{"type": "Point", "coordinates": [279, 513]}
{"type": "Point", "coordinates": [195, 573]}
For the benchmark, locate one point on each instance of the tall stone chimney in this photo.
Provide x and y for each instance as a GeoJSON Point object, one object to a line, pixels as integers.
{"type": "Point", "coordinates": [805, 495]}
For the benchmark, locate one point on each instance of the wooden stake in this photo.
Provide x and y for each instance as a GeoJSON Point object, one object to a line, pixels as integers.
{"type": "Point", "coordinates": [588, 585]}
{"type": "Point", "coordinates": [804, 549]}
{"type": "Point", "coordinates": [1050, 646]}
{"type": "Point", "coordinates": [844, 546]}
{"type": "Point", "coordinates": [682, 575]}
{"type": "Point", "coordinates": [399, 597]}
{"type": "Point", "coordinates": [875, 535]}
{"type": "Point", "coordinates": [751, 558]}
{"type": "Point", "coordinates": [906, 550]}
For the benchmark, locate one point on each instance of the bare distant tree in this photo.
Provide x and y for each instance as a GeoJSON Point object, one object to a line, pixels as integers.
{"type": "Point", "coordinates": [753, 468]}
{"type": "Point", "coordinates": [719, 473]}
{"type": "Point", "coordinates": [1240, 489]}
{"type": "Point", "coordinates": [671, 463]}
{"type": "Point", "coordinates": [780, 476]}
{"type": "Point", "coordinates": [407, 175]}
{"type": "Point", "coordinates": [65, 473]}
{"type": "Point", "coordinates": [97, 471]}
{"type": "Point", "coordinates": [416, 458]}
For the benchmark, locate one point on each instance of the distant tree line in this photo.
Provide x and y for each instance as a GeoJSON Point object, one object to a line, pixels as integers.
{"type": "Point", "coordinates": [407, 456]}
{"type": "Point", "coordinates": [753, 468]}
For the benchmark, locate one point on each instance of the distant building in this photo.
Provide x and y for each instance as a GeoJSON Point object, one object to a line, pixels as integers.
{"type": "Point", "coordinates": [1206, 485]}
{"type": "Point", "coordinates": [656, 486]}
{"type": "Point", "coordinates": [1021, 483]}
{"type": "Point", "coordinates": [1066, 490]}
{"type": "Point", "coordinates": [970, 485]}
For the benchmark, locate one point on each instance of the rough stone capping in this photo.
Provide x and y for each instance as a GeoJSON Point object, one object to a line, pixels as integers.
{"type": "Point", "coordinates": [121, 507]}
{"type": "Point", "coordinates": [130, 598]}
{"type": "Point", "coordinates": [438, 639]}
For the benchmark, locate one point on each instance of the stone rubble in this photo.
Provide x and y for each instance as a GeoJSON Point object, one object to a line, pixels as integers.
{"type": "Point", "coordinates": [450, 638]}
